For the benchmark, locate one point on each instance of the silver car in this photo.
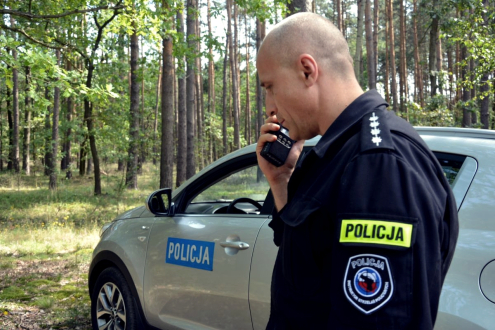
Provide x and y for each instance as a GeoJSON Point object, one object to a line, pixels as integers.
{"type": "Point", "coordinates": [201, 257]}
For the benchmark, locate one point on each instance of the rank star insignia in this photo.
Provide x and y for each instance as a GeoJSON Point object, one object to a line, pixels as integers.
{"type": "Point", "coordinates": [377, 140]}
{"type": "Point", "coordinates": [375, 132]}
{"type": "Point", "coordinates": [368, 282]}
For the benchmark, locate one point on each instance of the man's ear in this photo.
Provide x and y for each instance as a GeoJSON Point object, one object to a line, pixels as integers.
{"type": "Point", "coordinates": [309, 68]}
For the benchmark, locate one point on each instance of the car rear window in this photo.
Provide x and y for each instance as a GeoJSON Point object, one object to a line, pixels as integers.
{"type": "Point", "coordinates": [451, 165]}
{"type": "Point", "coordinates": [459, 171]}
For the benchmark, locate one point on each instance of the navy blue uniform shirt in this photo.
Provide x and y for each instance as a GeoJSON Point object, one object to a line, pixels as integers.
{"type": "Point", "coordinates": [369, 230]}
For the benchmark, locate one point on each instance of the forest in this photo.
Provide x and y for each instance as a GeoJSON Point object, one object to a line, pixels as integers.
{"type": "Point", "coordinates": [174, 83]}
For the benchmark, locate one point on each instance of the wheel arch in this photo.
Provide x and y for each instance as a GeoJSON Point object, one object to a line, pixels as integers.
{"type": "Point", "coordinates": [106, 259]}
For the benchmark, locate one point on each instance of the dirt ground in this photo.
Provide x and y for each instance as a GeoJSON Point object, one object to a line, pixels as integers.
{"type": "Point", "coordinates": [48, 292]}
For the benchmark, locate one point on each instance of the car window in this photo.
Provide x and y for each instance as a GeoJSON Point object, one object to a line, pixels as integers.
{"type": "Point", "coordinates": [248, 182]}
{"type": "Point", "coordinates": [459, 171]}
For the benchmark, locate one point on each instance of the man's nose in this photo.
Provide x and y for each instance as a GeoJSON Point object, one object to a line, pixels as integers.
{"type": "Point", "coordinates": [270, 108]}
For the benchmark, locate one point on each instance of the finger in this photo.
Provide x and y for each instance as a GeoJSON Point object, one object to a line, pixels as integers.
{"type": "Point", "coordinates": [269, 127]}
{"type": "Point", "coordinates": [271, 119]}
{"type": "Point", "coordinates": [264, 138]}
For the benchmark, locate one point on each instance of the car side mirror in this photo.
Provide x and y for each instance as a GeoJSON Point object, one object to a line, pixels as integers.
{"type": "Point", "coordinates": [160, 202]}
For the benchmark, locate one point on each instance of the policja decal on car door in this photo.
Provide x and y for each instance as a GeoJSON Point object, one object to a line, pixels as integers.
{"type": "Point", "coordinates": [368, 282]}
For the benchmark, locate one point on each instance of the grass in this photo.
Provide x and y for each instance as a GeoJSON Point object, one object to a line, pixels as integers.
{"type": "Point", "coordinates": [46, 242]}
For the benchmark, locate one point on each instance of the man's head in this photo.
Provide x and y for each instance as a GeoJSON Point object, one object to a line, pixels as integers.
{"type": "Point", "coordinates": [304, 64]}
{"type": "Point", "coordinates": [315, 35]}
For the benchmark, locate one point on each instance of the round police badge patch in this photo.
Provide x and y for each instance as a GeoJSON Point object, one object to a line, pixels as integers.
{"type": "Point", "coordinates": [368, 283]}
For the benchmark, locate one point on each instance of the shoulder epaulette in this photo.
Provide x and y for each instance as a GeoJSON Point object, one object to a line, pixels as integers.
{"type": "Point", "coordinates": [375, 132]}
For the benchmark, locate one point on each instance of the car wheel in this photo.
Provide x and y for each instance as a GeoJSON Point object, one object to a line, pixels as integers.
{"type": "Point", "coordinates": [112, 304]}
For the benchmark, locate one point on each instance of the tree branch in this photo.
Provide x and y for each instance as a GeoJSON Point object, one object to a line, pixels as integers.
{"type": "Point", "coordinates": [44, 44]}
{"type": "Point", "coordinates": [68, 13]}
{"type": "Point", "coordinates": [21, 31]}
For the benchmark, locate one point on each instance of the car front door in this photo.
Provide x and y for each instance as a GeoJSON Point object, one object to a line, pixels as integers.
{"type": "Point", "coordinates": [198, 261]}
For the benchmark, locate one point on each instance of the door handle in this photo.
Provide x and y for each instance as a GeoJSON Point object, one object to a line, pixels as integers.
{"type": "Point", "coordinates": [235, 245]}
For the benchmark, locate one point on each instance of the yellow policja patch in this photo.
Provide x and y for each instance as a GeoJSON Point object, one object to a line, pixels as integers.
{"type": "Point", "coordinates": [376, 232]}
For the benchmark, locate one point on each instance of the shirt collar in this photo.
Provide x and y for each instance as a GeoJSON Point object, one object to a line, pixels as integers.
{"type": "Point", "coordinates": [365, 103]}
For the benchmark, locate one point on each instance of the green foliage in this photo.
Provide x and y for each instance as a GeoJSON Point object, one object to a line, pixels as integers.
{"type": "Point", "coordinates": [435, 113]}
{"type": "Point", "coordinates": [476, 31]}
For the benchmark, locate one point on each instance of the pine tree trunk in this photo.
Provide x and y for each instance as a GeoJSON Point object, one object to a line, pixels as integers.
{"type": "Point", "coordinates": [191, 88]}
{"type": "Point", "coordinates": [402, 64]}
{"type": "Point", "coordinates": [224, 95]}
{"type": "Point", "coordinates": [466, 94]}
{"type": "Point", "coordinates": [132, 160]}
{"type": "Point", "coordinates": [15, 109]}
{"type": "Point", "coordinates": [369, 46]}
{"type": "Point", "coordinates": [248, 101]}
{"type": "Point", "coordinates": [418, 72]}
{"type": "Point", "coordinates": [155, 121]}
{"type": "Point", "coordinates": [260, 35]}
{"type": "Point", "coordinates": [359, 40]}
{"type": "Point", "coordinates": [484, 88]}
{"type": "Point", "coordinates": [376, 29]}
{"type": "Point", "coordinates": [392, 54]}
{"type": "Point", "coordinates": [386, 81]}
{"type": "Point", "coordinates": [439, 61]}
{"type": "Point", "coordinates": [211, 88]}
{"type": "Point", "coordinates": [27, 126]}
{"type": "Point", "coordinates": [199, 104]}
{"type": "Point", "coordinates": [474, 118]}
{"type": "Point", "coordinates": [48, 148]}
{"type": "Point", "coordinates": [167, 139]}
{"type": "Point", "coordinates": [10, 121]}
{"type": "Point", "coordinates": [181, 114]}
{"type": "Point", "coordinates": [233, 72]}
{"type": "Point", "coordinates": [52, 184]}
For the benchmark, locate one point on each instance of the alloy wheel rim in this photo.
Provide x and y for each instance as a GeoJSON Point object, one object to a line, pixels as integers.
{"type": "Point", "coordinates": [110, 308]}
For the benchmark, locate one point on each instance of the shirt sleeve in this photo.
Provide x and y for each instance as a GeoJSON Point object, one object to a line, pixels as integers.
{"type": "Point", "coordinates": [387, 246]}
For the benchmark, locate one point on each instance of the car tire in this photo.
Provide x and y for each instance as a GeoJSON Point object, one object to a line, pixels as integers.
{"type": "Point", "coordinates": [112, 303]}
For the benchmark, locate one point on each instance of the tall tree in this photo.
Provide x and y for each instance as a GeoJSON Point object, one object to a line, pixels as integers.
{"type": "Point", "coordinates": [88, 106]}
{"type": "Point", "coordinates": [52, 184]}
{"type": "Point", "coordinates": [260, 35]}
{"type": "Point", "coordinates": [418, 72]}
{"type": "Point", "coordinates": [466, 93]}
{"type": "Point", "coordinates": [233, 71]}
{"type": "Point", "coordinates": [211, 83]}
{"type": "Point", "coordinates": [484, 88]}
{"type": "Point", "coordinates": [224, 94]}
{"type": "Point", "coordinates": [191, 87]}
{"type": "Point", "coordinates": [402, 58]}
{"type": "Point", "coordinates": [168, 76]}
{"type": "Point", "coordinates": [359, 40]}
{"type": "Point", "coordinates": [15, 109]}
{"type": "Point", "coordinates": [369, 46]}
{"type": "Point", "coordinates": [27, 124]}
{"type": "Point", "coordinates": [392, 53]}
{"type": "Point", "coordinates": [376, 29]}
{"type": "Point", "coordinates": [248, 103]}
{"type": "Point", "coordinates": [182, 138]}
{"type": "Point", "coordinates": [133, 151]}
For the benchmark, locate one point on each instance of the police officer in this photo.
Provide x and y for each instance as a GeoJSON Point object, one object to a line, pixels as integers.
{"type": "Point", "coordinates": [365, 222]}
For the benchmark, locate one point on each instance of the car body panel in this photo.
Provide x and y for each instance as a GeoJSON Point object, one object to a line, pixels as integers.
{"type": "Point", "coordinates": [196, 298]}
{"type": "Point", "coordinates": [128, 239]}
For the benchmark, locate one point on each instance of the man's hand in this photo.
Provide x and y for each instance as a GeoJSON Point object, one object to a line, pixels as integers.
{"type": "Point", "coordinates": [277, 177]}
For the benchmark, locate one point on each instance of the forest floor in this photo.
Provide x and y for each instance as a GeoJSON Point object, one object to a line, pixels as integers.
{"type": "Point", "coordinates": [46, 241]}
